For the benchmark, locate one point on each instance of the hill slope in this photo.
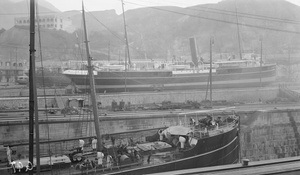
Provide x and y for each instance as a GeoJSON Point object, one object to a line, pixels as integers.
{"type": "Point", "coordinates": [164, 32]}
{"type": "Point", "coordinates": [12, 9]}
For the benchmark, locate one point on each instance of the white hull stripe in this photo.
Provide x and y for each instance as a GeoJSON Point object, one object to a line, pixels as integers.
{"type": "Point", "coordinates": [227, 82]}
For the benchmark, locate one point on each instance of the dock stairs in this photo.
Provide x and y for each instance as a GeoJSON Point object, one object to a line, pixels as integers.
{"type": "Point", "coordinates": [59, 102]}
{"type": "Point", "coordinates": [286, 92]}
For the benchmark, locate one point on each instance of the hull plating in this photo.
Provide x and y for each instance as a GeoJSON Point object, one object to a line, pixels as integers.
{"type": "Point", "coordinates": [156, 81]}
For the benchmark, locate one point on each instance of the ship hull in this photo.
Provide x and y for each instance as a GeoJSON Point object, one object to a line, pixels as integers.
{"type": "Point", "coordinates": [216, 150]}
{"type": "Point", "coordinates": [134, 81]}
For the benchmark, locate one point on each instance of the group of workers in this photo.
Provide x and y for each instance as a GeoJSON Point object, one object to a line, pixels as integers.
{"type": "Point", "coordinates": [206, 122]}
{"type": "Point", "coordinates": [17, 164]}
{"type": "Point", "coordinates": [123, 154]}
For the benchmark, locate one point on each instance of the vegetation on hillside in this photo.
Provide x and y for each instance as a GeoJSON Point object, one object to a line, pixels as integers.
{"type": "Point", "coordinates": [164, 32]}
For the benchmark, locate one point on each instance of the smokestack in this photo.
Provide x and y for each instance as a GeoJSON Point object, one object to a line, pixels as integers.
{"type": "Point", "coordinates": [194, 51]}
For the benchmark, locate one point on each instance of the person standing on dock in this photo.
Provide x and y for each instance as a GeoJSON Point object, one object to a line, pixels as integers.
{"type": "Point", "coordinates": [8, 152]}
{"type": "Point", "coordinates": [94, 144]}
{"type": "Point", "coordinates": [182, 142]}
{"type": "Point", "coordinates": [81, 144]}
{"type": "Point", "coordinates": [192, 121]}
{"type": "Point", "coordinates": [161, 135]}
{"type": "Point", "coordinates": [100, 157]}
{"type": "Point", "coordinates": [109, 161]}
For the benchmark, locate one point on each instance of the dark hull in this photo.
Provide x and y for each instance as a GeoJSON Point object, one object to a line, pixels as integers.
{"type": "Point", "coordinates": [51, 79]}
{"type": "Point", "coordinates": [216, 150]}
{"type": "Point", "coordinates": [164, 80]}
{"type": "Point", "coordinates": [207, 153]}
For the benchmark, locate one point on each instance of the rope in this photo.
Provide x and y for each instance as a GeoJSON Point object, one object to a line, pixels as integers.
{"type": "Point", "coordinates": [45, 100]}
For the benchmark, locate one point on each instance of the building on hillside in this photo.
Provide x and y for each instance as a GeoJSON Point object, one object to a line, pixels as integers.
{"type": "Point", "coordinates": [10, 70]}
{"type": "Point", "coordinates": [48, 22]}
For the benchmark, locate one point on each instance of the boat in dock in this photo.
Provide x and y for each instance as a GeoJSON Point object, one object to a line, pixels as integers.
{"type": "Point", "coordinates": [173, 148]}
{"type": "Point", "coordinates": [225, 74]}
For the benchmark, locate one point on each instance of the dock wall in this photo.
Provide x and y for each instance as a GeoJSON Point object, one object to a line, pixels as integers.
{"type": "Point", "coordinates": [229, 95]}
{"type": "Point", "coordinates": [264, 134]}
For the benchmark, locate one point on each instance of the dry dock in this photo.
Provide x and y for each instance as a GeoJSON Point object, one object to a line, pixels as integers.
{"type": "Point", "coordinates": [284, 166]}
{"type": "Point", "coordinates": [268, 131]}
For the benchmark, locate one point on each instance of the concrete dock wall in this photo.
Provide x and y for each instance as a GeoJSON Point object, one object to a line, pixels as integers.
{"type": "Point", "coordinates": [230, 95]}
{"type": "Point", "coordinates": [264, 135]}
{"type": "Point", "coordinates": [269, 135]}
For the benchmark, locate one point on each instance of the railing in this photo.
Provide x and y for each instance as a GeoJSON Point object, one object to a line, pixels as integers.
{"type": "Point", "coordinates": [215, 130]}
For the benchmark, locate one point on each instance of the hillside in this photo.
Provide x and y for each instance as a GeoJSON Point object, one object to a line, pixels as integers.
{"type": "Point", "coordinates": [164, 32]}
{"type": "Point", "coordinates": [57, 45]}
{"type": "Point", "coordinates": [11, 9]}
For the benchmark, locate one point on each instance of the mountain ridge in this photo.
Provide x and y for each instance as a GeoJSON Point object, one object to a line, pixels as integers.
{"type": "Point", "coordinates": [164, 32]}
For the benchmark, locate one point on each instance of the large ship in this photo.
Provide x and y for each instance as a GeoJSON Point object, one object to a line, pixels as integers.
{"type": "Point", "coordinates": [165, 76]}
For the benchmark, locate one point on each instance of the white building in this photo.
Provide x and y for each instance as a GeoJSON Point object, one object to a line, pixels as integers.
{"type": "Point", "coordinates": [48, 22]}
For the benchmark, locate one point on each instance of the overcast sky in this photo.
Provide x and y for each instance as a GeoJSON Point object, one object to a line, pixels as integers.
{"type": "Point", "coordinates": [96, 5]}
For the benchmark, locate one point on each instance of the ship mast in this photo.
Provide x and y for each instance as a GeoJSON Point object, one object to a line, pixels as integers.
{"type": "Point", "coordinates": [260, 62]}
{"type": "Point", "coordinates": [127, 63]}
{"type": "Point", "coordinates": [33, 106]}
{"type": "Point", "coordinates": [92, 86]}
{"type": "Point", "coordinates": [210, 69]}
{"type": "Point", "coordinates": [238, 31]}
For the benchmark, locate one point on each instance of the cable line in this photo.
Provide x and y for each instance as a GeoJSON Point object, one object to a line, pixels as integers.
{"type": "Point", "coordinates": [219, 20]}
{"type": "Point", "coordinates": [114, 33]}
{"type": "Point", "coordinates": [233, 13]}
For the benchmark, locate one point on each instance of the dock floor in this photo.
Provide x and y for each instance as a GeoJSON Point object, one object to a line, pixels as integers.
{"type": "Point", "coordinates": [286, 166]}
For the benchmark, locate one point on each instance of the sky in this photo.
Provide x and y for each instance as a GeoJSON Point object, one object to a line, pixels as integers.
{"type": "Point", "coordinates": [99, 5]}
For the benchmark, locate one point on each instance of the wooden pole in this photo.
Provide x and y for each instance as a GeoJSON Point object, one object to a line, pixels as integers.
{"type": "Point", "coordinates": [92, 86]}
{"type": "Point", "coordinates": [126, 37]}
{"type": "Point", "coordinates": [33, 103]}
